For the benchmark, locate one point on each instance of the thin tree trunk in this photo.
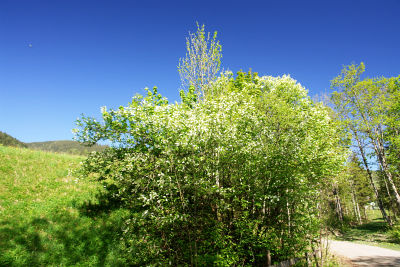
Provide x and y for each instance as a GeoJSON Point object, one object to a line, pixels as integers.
{"type": "Point", "coordinates": [355, 203]}
{"type": "Point", "coordinates": [355, 206]}
{"type": "Point", "coordinates": [392, 207]}
{"type": "Point", "coordinates": [378, 197]}
{"type": "Point", "coordinates": [365, 213]}
{"type": "Point", "coordinates": [288, 212]}
{"type": "Point", "coordinates": [378, 147]}
{"type": "Point", "coordinates": [358, 210]}
{"type": "Point", "coordinates": [339, 210]}
{"type": "Point", "coordinates": [379, 150]}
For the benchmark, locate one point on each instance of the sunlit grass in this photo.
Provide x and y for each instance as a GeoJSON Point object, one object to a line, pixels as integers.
{"type": "Point", "coordinates": [44, 219]}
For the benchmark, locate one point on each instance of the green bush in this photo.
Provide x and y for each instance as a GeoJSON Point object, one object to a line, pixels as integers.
{"type": "Point", "coordinates": [395, 233]}
{"type": "Point", "coordinates": [217, 179]}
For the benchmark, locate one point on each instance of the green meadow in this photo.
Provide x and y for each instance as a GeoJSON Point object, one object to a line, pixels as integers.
{"type": "Point", "coordinates": [49, 217]}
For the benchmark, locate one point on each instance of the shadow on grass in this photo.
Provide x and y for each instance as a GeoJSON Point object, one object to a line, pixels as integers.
{"type": "Point", "coordinates": [90, 237]}
{"type": "Point", "coordinates": [104, 203]}
{"type": "Point", "coordinates": [373, 227]}
{"type": "Point", "coordinates": [374, 231]}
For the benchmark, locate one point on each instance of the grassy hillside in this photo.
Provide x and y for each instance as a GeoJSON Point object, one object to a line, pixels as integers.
{"type": "Point", "coordinates": [48, 217]}
{"type": "Point", "coordinates": [8, 140]}
{"type": "Point", "coordinates": [65, 146]}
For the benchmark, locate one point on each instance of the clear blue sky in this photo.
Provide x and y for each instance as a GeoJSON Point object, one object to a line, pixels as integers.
{"type": "Point", "coordinates": [88, 54]}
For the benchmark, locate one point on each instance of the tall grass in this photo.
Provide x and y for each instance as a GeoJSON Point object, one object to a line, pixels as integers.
{"type": "Point", "coordinates": [48, 217]}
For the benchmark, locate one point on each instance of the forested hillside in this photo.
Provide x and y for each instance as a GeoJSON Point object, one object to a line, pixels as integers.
{"type": "Point", "coordinates": [8, 140]}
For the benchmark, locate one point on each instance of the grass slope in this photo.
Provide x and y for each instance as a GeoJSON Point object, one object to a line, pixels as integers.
{"type": "Point", "coordinates": [45, 216]}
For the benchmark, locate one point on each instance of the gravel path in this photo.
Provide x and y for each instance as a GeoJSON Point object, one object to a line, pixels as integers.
{"type": "Point", "coordinates": [364, 255]}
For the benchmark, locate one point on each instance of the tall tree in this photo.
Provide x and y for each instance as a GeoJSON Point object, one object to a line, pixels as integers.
{"type": "Point", "coordinates": [392, 122]}
{"type": "Point", "coordinates": [202, 62]}
{"type": "Point", "coordinates": [361, 105]}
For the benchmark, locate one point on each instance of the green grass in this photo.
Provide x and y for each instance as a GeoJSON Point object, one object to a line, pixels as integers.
{"type": "Point", "coordinates": [48, 217]}
{"type": "Point", "coordinates": [375, 232]}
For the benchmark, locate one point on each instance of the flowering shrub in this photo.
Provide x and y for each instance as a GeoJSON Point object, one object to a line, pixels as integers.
{"type": "Point", "coordinates": [219, 180]}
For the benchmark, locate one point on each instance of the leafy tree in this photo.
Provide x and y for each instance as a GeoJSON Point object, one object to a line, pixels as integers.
{"type": "Point", "coordinates": [202, 61]}
{"type": "Point", "coordinates": [220, 180]}
{"type": "Point", "coordinates": [392, 123]}
{"type": "Point", "coordinates": [363, 106]}
{"type": "Point", "coordinates": [346, 195]}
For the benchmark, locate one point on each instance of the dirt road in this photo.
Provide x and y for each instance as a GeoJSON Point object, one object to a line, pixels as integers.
{"type": "Point", "coordinates": [364, 255]}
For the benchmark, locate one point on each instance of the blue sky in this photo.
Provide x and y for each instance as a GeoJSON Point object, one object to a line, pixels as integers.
{"type": "Point", "coordinates": [88, 54]}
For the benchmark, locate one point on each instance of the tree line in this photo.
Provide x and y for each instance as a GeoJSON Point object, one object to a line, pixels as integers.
{"type": "Point", "coordinates": [368, 110]}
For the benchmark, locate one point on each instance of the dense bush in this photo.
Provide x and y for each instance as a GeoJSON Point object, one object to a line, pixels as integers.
{"type": "Point", "coordinates": [220, 178]}
{"type": "Point", "coordinates": [395, 234]}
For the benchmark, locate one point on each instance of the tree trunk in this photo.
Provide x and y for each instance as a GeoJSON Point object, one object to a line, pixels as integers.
{"type": "Point", "coordinates": [339, 210]}
{"type": "Point", "coordinates": [355, 206]}
{"type": "Point", "coordinates": [374, 135]}
{"type": "Point", "coordinates": [288, 213]}
{"type": "Point", "coordinates": [355, 202]}
{"type": "Point", "coordinates": [378, 197]}
{"type": "Point", "coordinates": [358, 210]}
{"type": "Point", "coordinates": [392, 207]}
{"type": "Point", "coordinates": [378, 146]}
{"type": "Point", "coordinates": [380, 152]}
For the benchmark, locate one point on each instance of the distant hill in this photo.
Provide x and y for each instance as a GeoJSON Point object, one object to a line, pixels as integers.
{"type": "Point", "coordinates": [65, 146]}
{"type": "Point", "coordinates": [61, 146]}
{"type": "Point", "coordinates": [8, 140]}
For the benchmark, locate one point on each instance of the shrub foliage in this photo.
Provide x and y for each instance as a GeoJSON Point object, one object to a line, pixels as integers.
{"type": "Point", "coordinates": [219, 180]}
